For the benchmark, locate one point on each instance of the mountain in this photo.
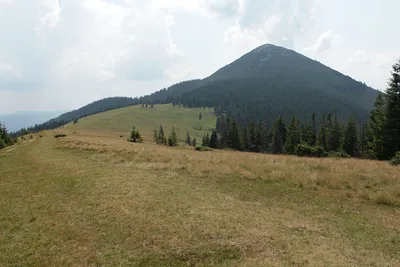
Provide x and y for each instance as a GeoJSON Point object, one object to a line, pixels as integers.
{"type": "Point", "coordinates": [271, 81]}
{"type": "Point", "coordinates": [267, 82]}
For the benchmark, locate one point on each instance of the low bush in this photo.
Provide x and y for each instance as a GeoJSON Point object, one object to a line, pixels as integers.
{"type": "Point", "coordinates": [304, 150]}
{"type": "Point", "coordinates": [396, 159]}
{"type": "Point", "coordinates": [60, 135]}
{"type": "Point", "coordinates": [203, 148]}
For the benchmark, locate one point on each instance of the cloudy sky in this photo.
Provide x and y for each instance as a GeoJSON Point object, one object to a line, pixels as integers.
{"type": "Point", "coordinates": [62, 54]}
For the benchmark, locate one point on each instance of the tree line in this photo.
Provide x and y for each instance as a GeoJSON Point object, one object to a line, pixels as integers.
{"type": "Point", "coordinates": [379, 138]}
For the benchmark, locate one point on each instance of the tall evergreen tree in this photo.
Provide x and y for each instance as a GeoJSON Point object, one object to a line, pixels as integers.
{"type": "Point", "coordinates": [391, 128]}
{"type": "Point", "coordinates": [278, 136]}
{"type": "Point", "coordinates": [155, 135]}
{"type": "Point", "coordinates": [234, 137]}
{"type": "Point", "coordinates": [245, 138]}
{"type": "Point", "coordinates": [321, 138]}
{"type": "Point", "coordinates": [252, 137]}
{"type": "Point", "coordinates": [376, 123]}
{"type": "Point", "coordinates": [329, 128]}
{"type": "Point", "coordinates": [194, 142]}
{"type": "Point", "coordinates": [335, 136]}
{"type": "Point", "coordinates": [224, 134]}
{"type": "Point", "coordinates": [313, 140]}
{"type": "Point", "coordinates": [206, 140]}
{"type": "Point", "coordinates": [259, 138]}
{"type": "Point", "coordinates": [161, 139]}
{"type": "Point", "coordinates": [350, 143]}
{"type": "Point", "coordinates": [213, 140]}
{"type": "Point", "coordinates": [188, 139]}
{"type": "Point", "coordinates": [293, 137]}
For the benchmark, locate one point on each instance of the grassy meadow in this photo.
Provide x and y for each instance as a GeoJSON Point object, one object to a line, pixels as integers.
{"type": "Point", "coordinates": [120, 121]}
{"type": "Point", "coordinates": [93, 199]}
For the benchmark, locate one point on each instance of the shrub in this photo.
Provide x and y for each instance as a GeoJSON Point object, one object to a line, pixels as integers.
{"type": "Point", "coordinates": [304, 150]}
{"type": "Point", "coordinates": [135, 136]}
{"type": "Point", "coordinates": [203, 148]}
{"type": "Point", "coordinates": [338, 154]}
{"type": "Point", "coordinates": [396, 159]}
{"type": "Point", "coordinates": [60, 135]}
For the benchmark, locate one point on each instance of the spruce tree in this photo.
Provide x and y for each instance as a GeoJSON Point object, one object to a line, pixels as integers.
{"type": "Point", "coordinates": [329, 128]}
{"type": "Point", "coordinates": [188, 139]}
{"type": "Point", "coordinates": [194, 142]}
{"type": "Point", "coordinates": [161, 139]}
{"type": "Point", "coordinates": [245, 138]}
{"type": "Point", "coordinates": [252, 137]}
{"type": "Point", "coordinates": [313, 137]}
{"type": "Point", "coordinates": [391, 128]}
{"type": "Point", "coordinates": [321, 138]}
{"type": "Point", "coordinates": [350, 143]}
{"type": "Point", "coordinates": [234, 137]}
{"type": "Point", "coordinates": [376, 123]}
{"type": "Point", "coordinates": [213, 140]}
{"type": "Point", "coordinates": [293, 137]}
{"type": "Point", "coordinates": [335, 136]}
{"type": "Point", "coordinates": [206, 140]}
{"type": "Point", "coordinates": [172, 139]}
{"type": "Point", "coordinates": [278, 136]}
{"type": "Point", "coordinates": [135, 136]}
{"type": "Point", "coordinates": [259, 138]}
{"type": "Point", "coordinates": [224, 134]}
{"type": "Point", "coordinates": [155, 135]}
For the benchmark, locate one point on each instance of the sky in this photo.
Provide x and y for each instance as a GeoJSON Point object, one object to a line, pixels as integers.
{"type": "Point", "coordinates": [63, 54]}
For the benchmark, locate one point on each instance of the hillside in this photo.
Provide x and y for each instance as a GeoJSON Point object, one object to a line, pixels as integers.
{"type": "Point", "coordinates": [93, 199]}
{"type": "Point", "coordinates": [268, 81]}
{"type": "Point", "coordinates": [120, 121]}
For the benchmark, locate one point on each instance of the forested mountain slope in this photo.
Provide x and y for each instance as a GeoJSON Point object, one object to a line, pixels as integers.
{"type": "Point", "coordinates": [262, 84]}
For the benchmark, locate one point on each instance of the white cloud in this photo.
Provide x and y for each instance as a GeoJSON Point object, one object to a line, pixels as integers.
{"type": "Point", "coordinates": [90, 49]}
{"type": "Point", "coordinates": [381, 60]}
{"type": "Point", "coordinates": [324, 42]}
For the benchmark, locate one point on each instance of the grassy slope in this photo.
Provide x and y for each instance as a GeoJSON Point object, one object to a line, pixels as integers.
{"type": "Point", "coordinates": [92, 199]}
{"type": "Point", "coordinates": [121, 121]}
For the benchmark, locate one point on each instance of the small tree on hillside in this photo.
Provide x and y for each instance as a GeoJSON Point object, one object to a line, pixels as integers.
{"type": "Point", "coordinates": [161, 140]}
{"type": "Point", "coordinates": [188, 139]}
{"type": "Point", "coordinates": [172, 139]}
{"type": "Point", "coordinates": [135, 136]}
{"type": "Point", "coordinates": [194, 142]}
{"type": "Point", "coordinates": [293, 137]}
{"type": "Point", "coordinates": [200, 116]}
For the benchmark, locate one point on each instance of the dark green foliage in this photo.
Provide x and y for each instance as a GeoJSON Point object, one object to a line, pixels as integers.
{"type": "Point", "coordinates": [200, 116]}
{"type": "Point", "coordinates": [172, 139]}
{"type": "Point", "coordinates": [335, 136]}
{"type": "Point", "coordinates": [135, 136]}
{"type": "Point", "coordinates": [76, 120]}
{"type": "Point", "coordinates": [304, 150]}
{"type": "Point", "coordinates": [213, 143]}
{"type": "Point", "coordinates": [321, 138]}
{"type": "Point", "coordinates": [396, 159]}
{"type": "Point", "coordinates": [5, 138]}
{"type": "Point", "coordinates": [161, 139]}
{"type": "Point", "coordinates": [375, 127]}
{"type": "Point", "coordinates": [293, 137]}
{"type": "Point", "coordinates": [234, 137]}
{"type": "Point", "coordinates": [188, 139]}
{"type": "Point", "coordinates": [245, 138]}
{"type": "Point", "coordinates": [206, 140]}
{"type": "Point", "coordinates": [391, 127]}
{"type": "Point", "coordinates": [350, 142]}
{"type": "Point", "coordinates": [278, 136]}
{"type": "Point", "coordinates": [194, 142]}
{"type": "Point", "coordinates": [252, 138]}
{"type": "Point", "coordinates": [60, 135]}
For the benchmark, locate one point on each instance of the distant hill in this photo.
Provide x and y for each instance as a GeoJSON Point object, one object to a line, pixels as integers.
{"type": "Point", "coordinates": [268, 81]}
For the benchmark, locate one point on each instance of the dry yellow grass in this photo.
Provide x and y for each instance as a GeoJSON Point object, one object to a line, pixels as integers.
{"type": "Point", "coordinates": [92, 199]}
